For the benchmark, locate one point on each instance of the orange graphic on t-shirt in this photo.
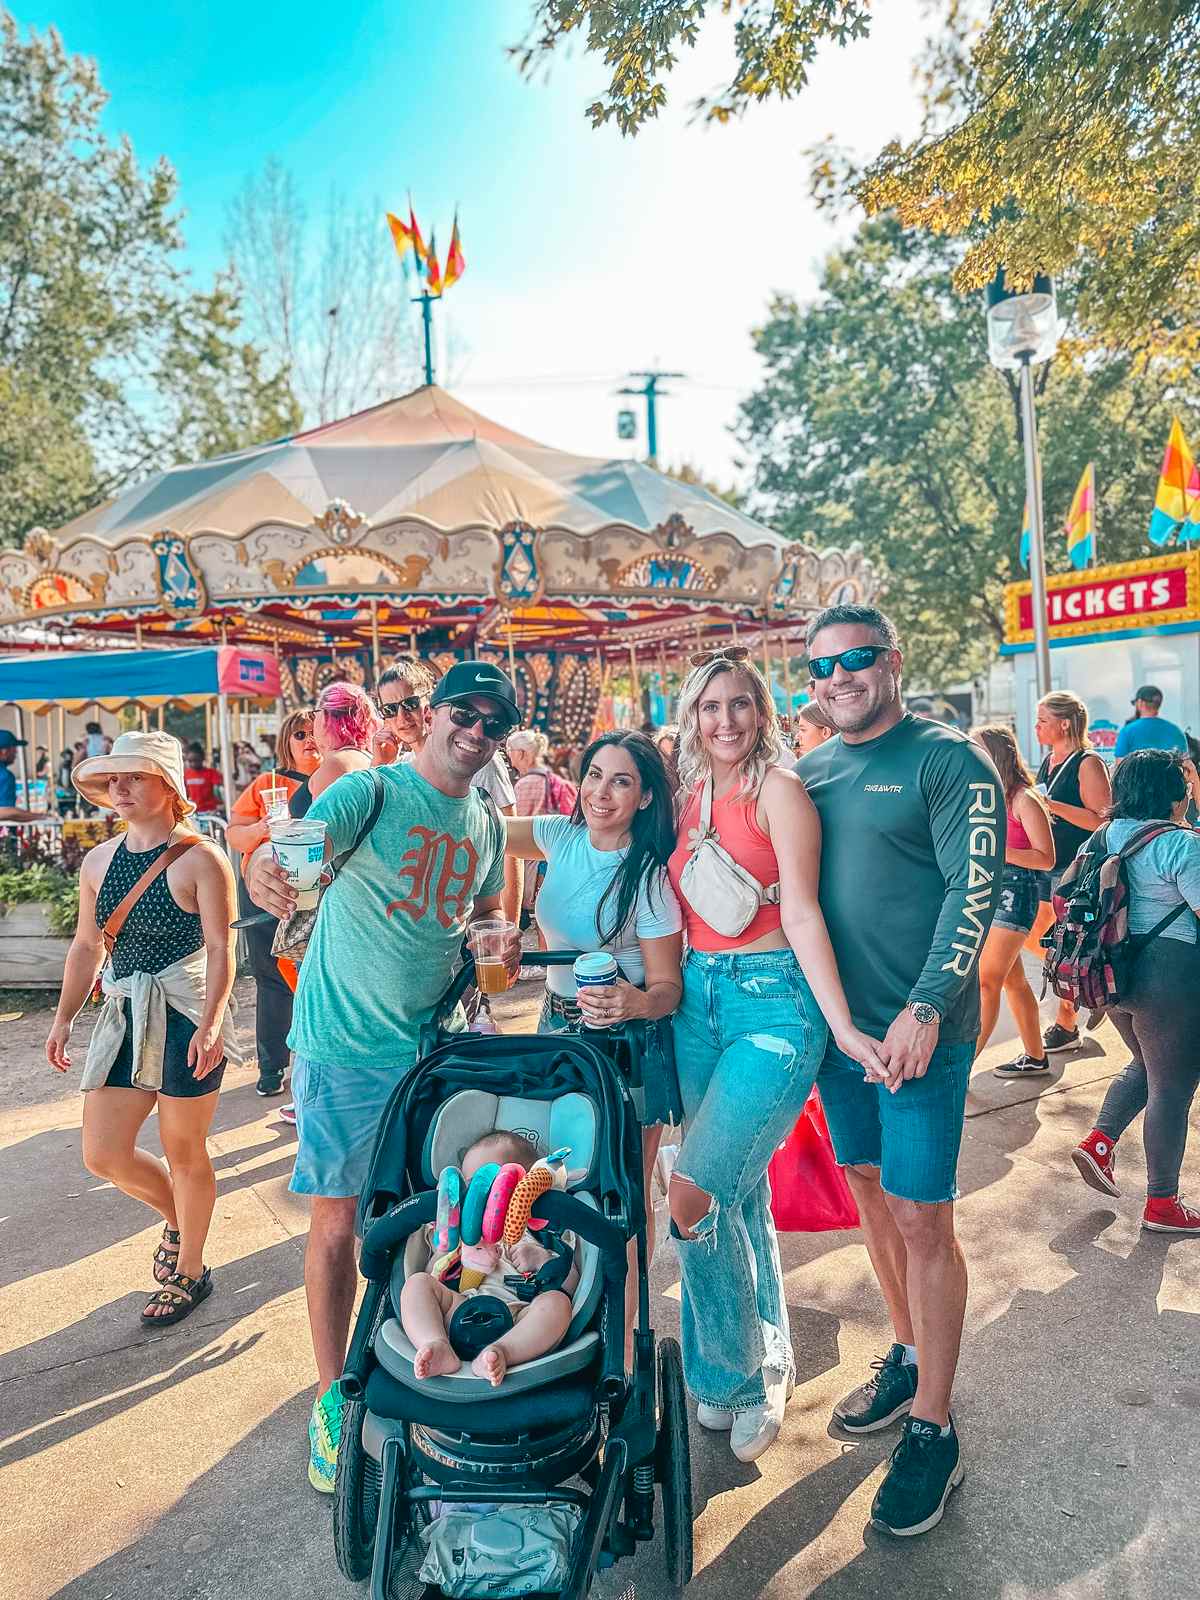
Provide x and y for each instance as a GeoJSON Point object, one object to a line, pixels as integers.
{"type": "Point", "coordinates": [440, 865]}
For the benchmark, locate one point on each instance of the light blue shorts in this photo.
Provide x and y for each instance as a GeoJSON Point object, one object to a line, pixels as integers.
{"type": "Point", "coordinates": [337, 1115]}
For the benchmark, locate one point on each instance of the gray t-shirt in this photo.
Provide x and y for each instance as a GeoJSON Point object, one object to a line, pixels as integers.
{"type": "Point", "coordinates": [1164, 872]}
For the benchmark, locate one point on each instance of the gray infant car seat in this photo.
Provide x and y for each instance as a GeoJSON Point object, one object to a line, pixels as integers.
{"type": "Point", "coordinates": [549, 1125]}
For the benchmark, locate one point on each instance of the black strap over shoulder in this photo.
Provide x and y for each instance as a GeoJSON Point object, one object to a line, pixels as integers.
{"type": "Point", "coordinates": [364, 833]}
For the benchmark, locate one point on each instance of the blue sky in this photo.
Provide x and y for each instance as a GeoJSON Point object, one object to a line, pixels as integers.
{"type": "Point", "coordinates": [588, 255]}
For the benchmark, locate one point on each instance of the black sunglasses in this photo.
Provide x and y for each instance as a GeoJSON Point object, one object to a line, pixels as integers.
{"type": "Point", "coordinates": [410, 703]}
{"type": "Point", "coordinates": [494, 725]}
{"type": "Point", "coordinates": [857, 659]}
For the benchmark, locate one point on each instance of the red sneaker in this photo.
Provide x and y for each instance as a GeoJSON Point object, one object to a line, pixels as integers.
{"type": "Point", "coordinates": [1170, 1216]}
{"type": "Point", "coordinates": [1095, 1159]}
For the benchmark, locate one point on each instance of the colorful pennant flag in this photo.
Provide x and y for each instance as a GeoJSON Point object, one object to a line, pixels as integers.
{"type": "Point", "coordinates": [433, 273]}
{"type": "Point", "coordinates": [1080, 526]}
{"type": "Point", "coordinates": [401, 237]}
{"type": "Point", "coordinates": [456, 262]}
{"type": "Point", "coordinates": [1177, 493]}
{"type": "Point", "coordinates": [414, 232]}
{"type": "Point", "coordinates": [1026, 538]}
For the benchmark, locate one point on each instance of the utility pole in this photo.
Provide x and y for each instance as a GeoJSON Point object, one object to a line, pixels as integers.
{"type": "Point", "coordinates": [650, 392]}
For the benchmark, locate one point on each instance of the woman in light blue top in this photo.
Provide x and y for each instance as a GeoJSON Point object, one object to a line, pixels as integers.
{"type": "Point", "coordinates": [606, 889]}
{"type": "Point", "coordinates": [1158, 1014]}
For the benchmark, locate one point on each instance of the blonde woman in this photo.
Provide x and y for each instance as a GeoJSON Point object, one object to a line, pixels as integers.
{"type": "Point", "coordinates": [1029, 852]}
{"type": "Point", "coordinates": [750, 1033]}
{"type": "Point", "coordinates": [164, 1032]}
{"type": "Point", "coordinates": [1075, 784]}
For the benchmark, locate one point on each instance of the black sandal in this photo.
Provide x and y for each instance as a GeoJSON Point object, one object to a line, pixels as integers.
{"type": "Point", "coordinates": [166, 1257]}
{"type": "Point", "coordinates": [181, 1294]}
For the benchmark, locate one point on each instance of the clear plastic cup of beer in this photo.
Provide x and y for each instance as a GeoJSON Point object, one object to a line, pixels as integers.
{"type": "Point", "coordinates": [488, 941]}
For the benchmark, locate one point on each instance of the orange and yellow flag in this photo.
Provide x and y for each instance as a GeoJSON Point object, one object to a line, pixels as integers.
{"type": "Point", "coordinates": [433, 273]}
{"type": "Point", "coordinates": [456, 262]}
{"type": "Point", "coordinates": [414, 233]}
{"type": "Point", "coordinates": [401, 237]}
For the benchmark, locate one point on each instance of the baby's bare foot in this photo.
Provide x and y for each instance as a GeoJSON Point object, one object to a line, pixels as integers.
{"type": "Point", "coordinates": [435, 1359]}
{"type": "Point", "coordinates": [491, 1364]}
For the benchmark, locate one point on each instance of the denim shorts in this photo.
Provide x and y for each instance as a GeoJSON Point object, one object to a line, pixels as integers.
{"type": "Point", "coordinates": [337, 1115]}
{"type": "Point", "coordinates": [912, 1136]}
{"type": "Point", "coordinates": [1021, 890]}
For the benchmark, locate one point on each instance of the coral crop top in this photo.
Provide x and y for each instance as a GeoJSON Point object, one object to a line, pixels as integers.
{"type": "Point", "coordinates": [738, 831]}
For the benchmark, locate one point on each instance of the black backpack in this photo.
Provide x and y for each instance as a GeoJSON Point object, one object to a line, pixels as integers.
{"type": "Point", "coordinates": [1090, 949]}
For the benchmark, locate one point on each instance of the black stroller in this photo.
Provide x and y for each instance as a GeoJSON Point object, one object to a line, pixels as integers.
{"type": "Point", "coordinates": [567, 1430]}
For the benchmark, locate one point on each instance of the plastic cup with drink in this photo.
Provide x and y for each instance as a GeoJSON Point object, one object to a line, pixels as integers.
{"type": "Point", "coordinates": [489, 940]}
{"type": "Point", "coordinates": [275, 800]}
{"type": "Point", "coordinates": [595, 970]}
{"type": "Point", "coordinates": [298, 844]}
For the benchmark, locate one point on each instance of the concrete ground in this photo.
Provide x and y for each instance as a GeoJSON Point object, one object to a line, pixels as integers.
{"type": "Point", "coordinates": [136, 1465]}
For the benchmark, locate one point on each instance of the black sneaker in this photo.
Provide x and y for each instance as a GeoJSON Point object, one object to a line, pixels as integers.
{"type": "Point", "coordinates": [925, 1469]}
{"type": "Point", "coordinates": [269, 1083]}
{"type": "Point", "coordinates": [883, 1398]}
{"type": "Point", "coordinates": [1025, 1066]}
{"type": "Point", "coordinates": [1056, 1038]}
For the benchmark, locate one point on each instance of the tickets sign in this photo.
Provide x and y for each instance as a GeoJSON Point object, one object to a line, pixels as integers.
{"type": "Point", "coordinates": [1135, 594]}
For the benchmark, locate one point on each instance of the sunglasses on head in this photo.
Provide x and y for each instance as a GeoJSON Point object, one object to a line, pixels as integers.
{"type": "Point", "coordinates": [735, 655]}
{"type": "Point", "coordinates": [410, 703]}
{"type": "Point", "coordinates": [494, 725]}
{"type": "Point", "coordinates": [857, 659]}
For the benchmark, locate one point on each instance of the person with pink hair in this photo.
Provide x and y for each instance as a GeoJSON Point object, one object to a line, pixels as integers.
{"type": "Point", "coordinates": [344, 725]}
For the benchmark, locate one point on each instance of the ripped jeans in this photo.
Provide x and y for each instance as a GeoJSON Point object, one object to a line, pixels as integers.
{"type": "Point", "coordinates": [749, 1038]}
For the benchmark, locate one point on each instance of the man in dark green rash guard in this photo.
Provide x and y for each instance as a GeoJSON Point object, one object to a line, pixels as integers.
{"type": "Point", "coordinates": [913, 824]}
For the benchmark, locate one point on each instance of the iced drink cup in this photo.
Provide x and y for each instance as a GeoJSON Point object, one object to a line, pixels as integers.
{"type": "Point", "coordinates": [298, 844]}
{"type": "Point", "coordinates": [596, 970]}
{"type": "Point", "coordinates": [488, 939]}
{"type": "Point", "coordinates": [275, 800]}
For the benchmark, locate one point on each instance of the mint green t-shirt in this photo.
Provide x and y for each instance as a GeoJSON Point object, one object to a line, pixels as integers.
{"type": "Point", "coordinates": [391, 925]}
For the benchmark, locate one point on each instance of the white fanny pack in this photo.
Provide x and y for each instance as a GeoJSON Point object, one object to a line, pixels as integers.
{"type": "Point", "coordinates": [714, 885]}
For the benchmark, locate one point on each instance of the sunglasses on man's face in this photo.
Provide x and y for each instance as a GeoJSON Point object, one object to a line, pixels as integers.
{"type": "Point", "coordinates": [411, 703]}
{"type": "Point", "coordinates": [857, 659]}
{"type": "Point", "coordinates": [493, 725]}
{"type": "Point", "coordinates": [735, 655]}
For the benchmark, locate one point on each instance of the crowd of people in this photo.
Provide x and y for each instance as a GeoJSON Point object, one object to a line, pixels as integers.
{"type": "Point", "coordinates": [847, 920]}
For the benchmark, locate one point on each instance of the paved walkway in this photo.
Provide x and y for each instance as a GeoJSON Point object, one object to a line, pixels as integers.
{"type": "Point", "coordinates": [135, 1466]}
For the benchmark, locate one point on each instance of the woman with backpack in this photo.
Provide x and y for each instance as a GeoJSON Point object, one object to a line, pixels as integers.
{"type": "Point", "coordinates": [1029, 852]}
{"type": "Point", "coordinates": [1158, 1008]}
{"type": "Point", "coordinates": [1075, 783]}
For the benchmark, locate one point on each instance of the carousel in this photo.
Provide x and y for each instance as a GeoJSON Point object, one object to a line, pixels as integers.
{"type": "Point", "coordinates": [422, 527]}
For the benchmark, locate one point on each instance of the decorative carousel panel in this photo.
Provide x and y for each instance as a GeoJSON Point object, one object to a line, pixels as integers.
{"type": "Point", "coordinates": [665, 565]}
{"type": "Point", "coordinates": [179, 581]}
{"type": "Point", "coordinates": [518, 581]}
{"type": "Point", "coordinates": [848, 577]}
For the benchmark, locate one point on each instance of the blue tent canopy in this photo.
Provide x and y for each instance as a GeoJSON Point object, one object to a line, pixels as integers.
{"type": "Point", "coordinates": [149, 677]}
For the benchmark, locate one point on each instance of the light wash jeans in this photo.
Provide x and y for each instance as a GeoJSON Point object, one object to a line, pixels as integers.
{"type": "Point", "coordinates": [749, 1038]}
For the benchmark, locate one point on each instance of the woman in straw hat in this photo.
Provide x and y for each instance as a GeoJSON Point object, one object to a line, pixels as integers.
{"type": "Point", "coordinates": [155, 908]}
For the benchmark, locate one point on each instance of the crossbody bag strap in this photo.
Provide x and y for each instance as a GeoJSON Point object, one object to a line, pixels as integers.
{"type": "Point", "coordinates": [368, 826]}
{"type": "Point", "coordinates": [111, 930]}
{"type": "Point", "coordinates": [706, 805]}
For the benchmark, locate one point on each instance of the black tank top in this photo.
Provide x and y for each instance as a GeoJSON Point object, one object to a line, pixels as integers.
{"type": "Point", "coordinates": [157, 931]}
{"type": "Point", "coordinates": [1064, 787]}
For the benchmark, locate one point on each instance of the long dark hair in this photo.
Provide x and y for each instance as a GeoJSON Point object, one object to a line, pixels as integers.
{"type": "Point", "coordinates": [651, 833]}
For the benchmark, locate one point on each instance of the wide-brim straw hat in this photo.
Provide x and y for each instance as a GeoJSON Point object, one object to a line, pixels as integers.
{"type": "Point", "coordinates": [159, 755]}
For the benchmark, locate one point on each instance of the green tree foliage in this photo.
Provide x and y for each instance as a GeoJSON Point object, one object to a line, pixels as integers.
{"type": "Point", "coordinates": [880, 420]}
{"type": "Point", "coordinates": [1056, 131]}
{"type": "Point", "coordinates": [110, 363]}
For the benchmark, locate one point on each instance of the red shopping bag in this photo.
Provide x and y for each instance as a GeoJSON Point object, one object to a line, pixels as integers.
{"type": "Point", "coordinates": [809, 1192]}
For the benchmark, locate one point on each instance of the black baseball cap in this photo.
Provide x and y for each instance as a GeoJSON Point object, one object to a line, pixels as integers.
{"type": "Point", "coordinates": [468, 678]}
{"type": "Point", "coordinates": [9, 741]}
{"type": "Point", "coordinates": [1148, 693]}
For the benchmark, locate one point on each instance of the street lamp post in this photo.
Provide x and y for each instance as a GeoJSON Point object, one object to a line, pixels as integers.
{"type": "Point", "coordinates": [1023, 331]}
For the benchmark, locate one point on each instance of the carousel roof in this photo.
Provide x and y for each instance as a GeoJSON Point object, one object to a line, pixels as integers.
{"type": "Point", "coordinates": [424, 455]}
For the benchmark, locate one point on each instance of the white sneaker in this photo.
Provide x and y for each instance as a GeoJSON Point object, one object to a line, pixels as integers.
{"type": "Point", "coordinates": [715, 1420]}
{"type": "Point", "coordinates": [756, 1430]}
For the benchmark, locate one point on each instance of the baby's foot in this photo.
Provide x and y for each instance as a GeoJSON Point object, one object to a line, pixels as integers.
{"type": "Point", "coordinates": [491, 1364]}
{"type": "Point", "coordinates": [435, 1359]}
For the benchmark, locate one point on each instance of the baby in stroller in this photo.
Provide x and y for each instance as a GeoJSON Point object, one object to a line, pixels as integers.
{"type": "Point", "coordinates": [522, 1304]}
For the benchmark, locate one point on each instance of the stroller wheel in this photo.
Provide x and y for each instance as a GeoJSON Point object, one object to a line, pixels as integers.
{"type": "Point", "coordinates": [673, 1464]}
{"type": "Point", "coordinates": [355, 1498]}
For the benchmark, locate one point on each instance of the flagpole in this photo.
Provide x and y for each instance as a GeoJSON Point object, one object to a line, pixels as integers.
{"type": "Point", "coordinates": [425, 301]}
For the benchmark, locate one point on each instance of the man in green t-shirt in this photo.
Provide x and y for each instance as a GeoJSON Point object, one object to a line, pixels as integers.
{"type": "Point", "coordinates": [381, 955]}
{"type": "Point", "coordinates": [913, 825]}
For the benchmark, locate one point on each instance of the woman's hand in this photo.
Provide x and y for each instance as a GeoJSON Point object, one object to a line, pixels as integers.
{"type": "Point", "coordinates": [56, 1046]}
{"type": "Point", "coordinates": [385, 747]}
{"type": "Point", "coordinates": [862, 1048]}
{"type": "Point", "coordinates": [603, 1006]}
{"type": "Point", "coordinates": [205, 1050]}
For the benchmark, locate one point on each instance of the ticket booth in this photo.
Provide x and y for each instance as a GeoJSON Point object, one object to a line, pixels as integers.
{"type": "Point", "coordinates": [1112, 629]}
